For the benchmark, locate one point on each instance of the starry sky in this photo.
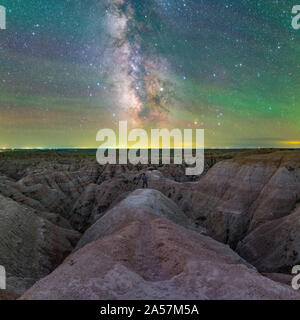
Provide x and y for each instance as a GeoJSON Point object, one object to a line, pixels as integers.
{"type": "Point", "coordinates": [69, 68]}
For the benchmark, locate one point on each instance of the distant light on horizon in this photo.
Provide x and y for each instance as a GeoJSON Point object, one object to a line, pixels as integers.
{"type": "Point", "coordinates": [293, 143]}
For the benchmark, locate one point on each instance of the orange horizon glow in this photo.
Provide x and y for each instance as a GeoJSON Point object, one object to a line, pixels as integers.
{"type": "Point", "coordinates": [291, 142]}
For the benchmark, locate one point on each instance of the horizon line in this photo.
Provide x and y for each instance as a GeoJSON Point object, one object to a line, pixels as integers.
{"type": "Point", "coordinates": [95, 148]}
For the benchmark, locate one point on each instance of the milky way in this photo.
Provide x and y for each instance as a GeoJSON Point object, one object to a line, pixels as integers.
{"type": "Point", "coordinates": [71, 68]}
{"type": "Point", "coordinates": [137, 86]}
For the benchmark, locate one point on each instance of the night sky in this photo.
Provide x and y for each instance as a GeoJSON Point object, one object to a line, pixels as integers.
{"type": "Point", "coordinates": [69, 68]}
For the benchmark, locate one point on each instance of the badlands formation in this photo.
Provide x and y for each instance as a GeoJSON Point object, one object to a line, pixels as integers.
{"type": "Point", "coordinates": [71, 229]}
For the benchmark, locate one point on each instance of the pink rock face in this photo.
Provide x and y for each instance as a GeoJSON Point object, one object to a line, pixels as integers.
{"type": "Point", "coordinates": [275, 245]}
{"type": "Point", "coordinates": [56, 190]}
{"type": "Point", "coordinates": [134, 207]}
{"type": "Point", "coordinates": [48, 190]}
{"type": "Point", "coordinates": [143, 253]}
{"type": "Point", "coordinates": [238, 195]}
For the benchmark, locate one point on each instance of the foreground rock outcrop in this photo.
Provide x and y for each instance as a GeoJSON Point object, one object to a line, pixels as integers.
{"type": "Point", "coordinates": [135, 207]}
{"type": "Point", "coordinates": [140, 250]}
{"type": "Point", "coordinates": [159, 241]}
